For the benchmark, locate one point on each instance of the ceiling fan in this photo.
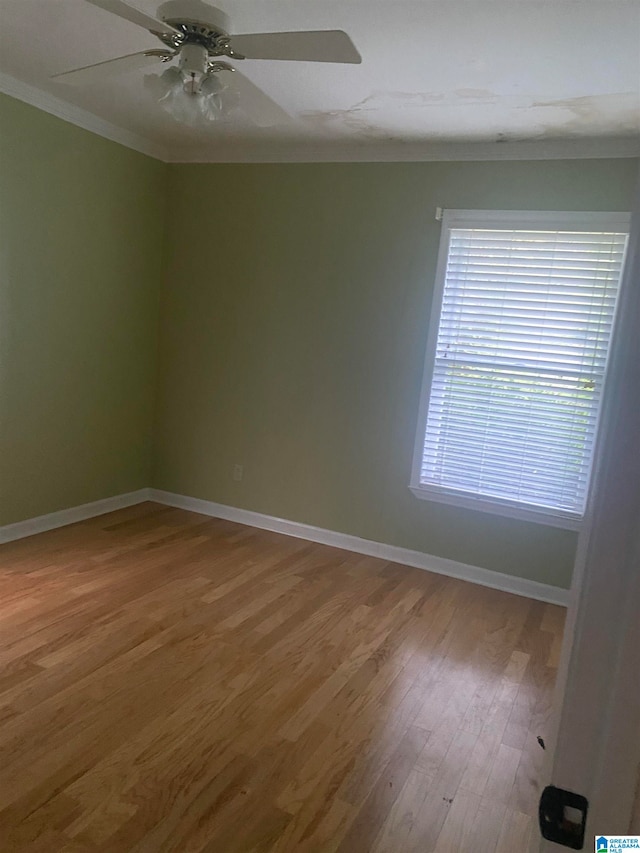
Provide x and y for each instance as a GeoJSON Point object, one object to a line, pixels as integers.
{"type": "Point", "coordinates": [196, 35]}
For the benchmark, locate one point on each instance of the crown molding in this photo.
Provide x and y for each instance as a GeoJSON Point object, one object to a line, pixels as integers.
{"type": "Point", "coordinates": [331, 151]}
{"type": "Point", "coordinates": [414, 152]}
{"type": "Point", "coordinates": [81, 118]}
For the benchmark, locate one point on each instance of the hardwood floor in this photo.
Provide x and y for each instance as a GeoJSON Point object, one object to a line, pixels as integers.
{"type": "Point", "coordinates": [171, 682]}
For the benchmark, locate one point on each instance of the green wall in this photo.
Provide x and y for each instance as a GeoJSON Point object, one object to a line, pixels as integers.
{"type": "Point", "coordinates": [80, 241]}
{"type": "Point", "coordinates": [295, 315]}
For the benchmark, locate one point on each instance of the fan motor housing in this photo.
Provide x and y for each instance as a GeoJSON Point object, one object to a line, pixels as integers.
{"type": "Point", "coordinates": [198, 34]}
{"type": "Point", "coordinates": [195, 32]}
{"type": "Point", "coordinates": [194, 11]}
{"type": "Point", "coordinates": [194, 58]}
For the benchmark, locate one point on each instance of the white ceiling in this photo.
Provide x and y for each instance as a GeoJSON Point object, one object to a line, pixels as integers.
{"type": "Point", "coordinates": [435, 72]}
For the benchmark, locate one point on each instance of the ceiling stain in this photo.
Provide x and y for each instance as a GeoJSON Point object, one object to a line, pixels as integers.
{"type": "Point", "coordinates": [476, 94]}
{"type": "Point", "coordinates": [409, 98]}
{"type": "Point", "coordinates": [614, 113]}
{"type": "Point", "coordinates": [325, 120]}
{"type": "Point", "coordinates": [588, 103]}
{"type": "Point", "coordinates": [360, 118]}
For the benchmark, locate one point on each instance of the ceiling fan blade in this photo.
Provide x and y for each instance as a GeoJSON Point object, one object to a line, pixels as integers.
{"type": "Point", "coordinates": [308, 46]}
{"type": "Point", "coordinates": [135, 16]}
{"type": "Point", "coordinates": [121, 65]}
{"type": "Point", "coordinates": [264, 111]}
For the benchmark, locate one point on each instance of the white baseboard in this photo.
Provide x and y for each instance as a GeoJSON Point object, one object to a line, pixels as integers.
{"type": "Point", "coordinates": [69, 516]}
{"type": "Point", "coordinates": [417, 559]}
{"type": "Point", "coordinates": [393, 553]}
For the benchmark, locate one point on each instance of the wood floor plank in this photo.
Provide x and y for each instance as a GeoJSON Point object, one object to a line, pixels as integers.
{"type": "Point", "coordinates": [515, 832]}
{"type": "Point", "coordinates": [458, 830]}
{"type": "Point", "coordinates": [401, 818]}
{"type": "Point", "coordinates": [172, 683]}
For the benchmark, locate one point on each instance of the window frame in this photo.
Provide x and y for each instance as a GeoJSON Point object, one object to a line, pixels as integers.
{"type": "Point", "coordinates": [510, 220]}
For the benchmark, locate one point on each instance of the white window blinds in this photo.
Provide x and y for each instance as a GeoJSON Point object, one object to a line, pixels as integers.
{"type": "Point", "coordinates": [519, 362]}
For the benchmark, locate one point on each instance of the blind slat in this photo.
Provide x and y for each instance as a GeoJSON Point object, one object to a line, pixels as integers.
{"type": "Point", "coordinates": [523, 338]}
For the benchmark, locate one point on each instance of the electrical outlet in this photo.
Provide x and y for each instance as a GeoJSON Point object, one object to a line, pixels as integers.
{"type": "Point", "coordinates": [237, 473]}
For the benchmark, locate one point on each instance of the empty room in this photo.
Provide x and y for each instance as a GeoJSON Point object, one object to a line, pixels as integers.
{"type": "Point", "coordinates": [319, 426]}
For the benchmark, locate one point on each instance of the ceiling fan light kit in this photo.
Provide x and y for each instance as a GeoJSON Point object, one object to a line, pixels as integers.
{"type": "Point", "coordinates": [191, 90]}
{"type": "Point", "coordinates": [207, 97]}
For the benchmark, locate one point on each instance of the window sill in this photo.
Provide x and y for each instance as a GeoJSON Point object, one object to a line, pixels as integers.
{"type": "Point", "coordinates": [498, 507]}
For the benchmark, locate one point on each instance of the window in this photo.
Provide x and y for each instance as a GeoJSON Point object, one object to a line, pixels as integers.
{"type": "Point", "coordinates": [520, 331]}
